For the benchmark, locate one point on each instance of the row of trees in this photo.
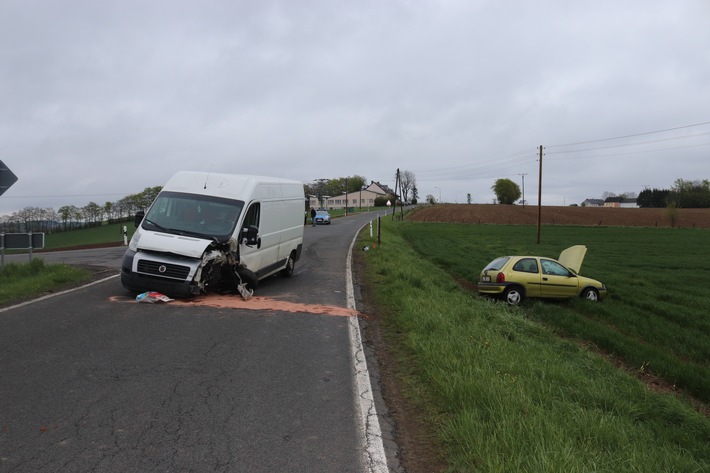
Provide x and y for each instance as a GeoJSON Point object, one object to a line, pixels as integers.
{"type": "Point", "coordinates": [70, 217]}
{"type": "Point", "coordinates": [336, 186]}
{"type": "Point", "coordinates": [684, 194]}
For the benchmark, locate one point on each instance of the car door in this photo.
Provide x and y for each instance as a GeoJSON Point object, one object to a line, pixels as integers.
{"type": "Point", "coordinates": [527, 273]}
{"type": "Point", "coordinates": [556, 280]}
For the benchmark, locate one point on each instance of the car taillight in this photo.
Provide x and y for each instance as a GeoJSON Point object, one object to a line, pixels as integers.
{"type": "Point", "coordinates": [500, 277]}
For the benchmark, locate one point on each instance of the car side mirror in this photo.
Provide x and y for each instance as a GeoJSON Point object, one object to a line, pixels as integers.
{"type": "Point", "coordinates": [138, 218]}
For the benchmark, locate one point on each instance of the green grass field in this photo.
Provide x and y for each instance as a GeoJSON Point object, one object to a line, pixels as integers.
{"type": "Point", "coordinates": [526, 389]}
{"type": "Point", "coordinates": [658, 315]}
{"type": "Point", "coordinates": [107, 233]}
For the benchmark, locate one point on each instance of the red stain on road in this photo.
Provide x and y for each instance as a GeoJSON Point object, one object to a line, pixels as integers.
{"type": "Point", "coordinates": [255, 303]}
{"type": "Point", "coordinates": [263, 303]}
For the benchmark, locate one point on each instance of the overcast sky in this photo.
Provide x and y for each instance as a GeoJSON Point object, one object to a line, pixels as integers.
{"type": "Point", "coordinates": [101, 99]}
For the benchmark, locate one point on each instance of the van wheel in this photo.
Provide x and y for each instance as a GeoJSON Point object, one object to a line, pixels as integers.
{"type": "Point", "coordinates": [287, 272]}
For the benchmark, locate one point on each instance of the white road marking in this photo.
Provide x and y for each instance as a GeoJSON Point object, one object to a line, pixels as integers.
{"type": "Point", "coordinates": [54, 294]}
{"type": "Point", "coordinates": [374, 450]}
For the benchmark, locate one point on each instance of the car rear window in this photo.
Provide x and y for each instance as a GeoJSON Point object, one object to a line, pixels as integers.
{"type": "Point", "coordinates": [497, 263]}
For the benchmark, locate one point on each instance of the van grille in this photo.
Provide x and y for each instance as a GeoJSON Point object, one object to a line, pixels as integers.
{"type": "Point", "coordinates": [174, 271]}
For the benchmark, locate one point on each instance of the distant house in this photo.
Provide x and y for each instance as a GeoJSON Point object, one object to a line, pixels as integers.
{"type": "Point", "coordinates": [593, 203]}
{"type": "Point", "coordinates": [629, 203]}
{"type": "Point", "coordinates": [622, 202]}
{"type": "Point", "coordinates": [380, 188]}
{"type": "Point", "coordinates": [359, 199]}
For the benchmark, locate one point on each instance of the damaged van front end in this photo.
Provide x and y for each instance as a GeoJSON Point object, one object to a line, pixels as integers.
{"type": "Point", "coordinates": [216, 268]}
{"type": "Point", "coordinates": [186, 244]}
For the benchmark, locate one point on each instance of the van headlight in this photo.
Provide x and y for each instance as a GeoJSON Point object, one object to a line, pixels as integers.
{"type": "Point", "coordinates": [133, 245]}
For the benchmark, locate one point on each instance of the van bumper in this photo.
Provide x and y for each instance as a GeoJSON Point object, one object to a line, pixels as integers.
{"type": "Point", "coordinates": [141, 282]}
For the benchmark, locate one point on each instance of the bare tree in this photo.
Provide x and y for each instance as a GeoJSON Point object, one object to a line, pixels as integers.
{"type": "Point", "coordinates": [407, 183]}
{"type": "Point", "coordinates": [11, 223]}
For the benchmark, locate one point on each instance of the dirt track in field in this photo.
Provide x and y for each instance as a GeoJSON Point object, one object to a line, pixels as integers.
{"type": "Point", "coordinates": [552, 215]}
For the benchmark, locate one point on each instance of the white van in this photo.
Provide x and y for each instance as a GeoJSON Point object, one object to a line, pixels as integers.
{"type": "Point", "coordinates": [215, 232]}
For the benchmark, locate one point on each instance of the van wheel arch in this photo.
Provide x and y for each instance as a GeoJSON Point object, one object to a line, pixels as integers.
{"type": "Point", "coordinates": [287, 272]}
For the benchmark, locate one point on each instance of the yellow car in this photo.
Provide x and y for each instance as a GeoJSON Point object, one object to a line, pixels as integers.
{"type": "Point", "coordinates": [516, 277]}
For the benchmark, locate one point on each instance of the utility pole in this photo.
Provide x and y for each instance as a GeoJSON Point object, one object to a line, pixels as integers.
{"type": "Point", "coordinates": [539, 199]}
{"type": "Point", "coordinates": [320, 191]}
{"type": "Point", "coordinates": [523, 175]}
{"type": "Point", "coordinates": [398, 188]}
{"type": "Point", "coordinates": [346, 196]}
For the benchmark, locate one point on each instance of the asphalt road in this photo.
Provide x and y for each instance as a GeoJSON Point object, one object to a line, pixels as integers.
{"type": "Point", "coordinates": [93, 381]}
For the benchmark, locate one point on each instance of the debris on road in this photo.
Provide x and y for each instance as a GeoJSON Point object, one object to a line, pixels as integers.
{"type": "Point", "coordinates": [152, 297]}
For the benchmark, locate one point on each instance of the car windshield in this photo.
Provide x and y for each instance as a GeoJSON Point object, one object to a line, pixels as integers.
{"type": "Point", "coordinates": [196, 215]}
{"type": "Point", "coordinates": [321, 212]}
{"type": "Point", "coordinates": [497, 263]}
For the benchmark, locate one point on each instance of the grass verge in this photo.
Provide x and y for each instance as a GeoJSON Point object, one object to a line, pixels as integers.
{"type": "Point", "coordinates": [506, 394]}
{"type": "Point", "coordinates": [23, 281]}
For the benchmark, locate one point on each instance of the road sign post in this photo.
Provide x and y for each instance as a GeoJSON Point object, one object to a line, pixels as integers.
{"type": "Point", "coordinates": [20, 241]}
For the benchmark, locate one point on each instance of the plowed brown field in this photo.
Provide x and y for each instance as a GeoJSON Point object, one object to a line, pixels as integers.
{"type": "Point", "coordinates": [586, 216]}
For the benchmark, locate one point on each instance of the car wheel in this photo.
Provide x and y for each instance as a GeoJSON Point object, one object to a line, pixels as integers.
{"type": "Point", "coordinates": [513, 295]}
{"type": "Point", "coordinates": [590, 294]}
{"type": "Point", "coordinates": [287, 272]}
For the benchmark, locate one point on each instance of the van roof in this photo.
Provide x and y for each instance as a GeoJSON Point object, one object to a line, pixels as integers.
{"type": "Point", "coordinates": [234, 186]}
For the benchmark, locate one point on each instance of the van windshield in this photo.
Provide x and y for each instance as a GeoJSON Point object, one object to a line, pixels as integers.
{"type": "Point", "coordinates": [202, 216]}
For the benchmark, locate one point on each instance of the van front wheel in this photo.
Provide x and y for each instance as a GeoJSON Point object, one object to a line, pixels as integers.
{"type": "Point", "coordinates": [287, 272]}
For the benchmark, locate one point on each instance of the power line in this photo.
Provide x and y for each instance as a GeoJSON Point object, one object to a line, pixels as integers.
{"type": "Point", "coordinates": [629, 136]}
{"type": "Point", "coordinates": [633, 144]}
{"type": "Point", "coordinates": [468, 171]}
{"type": "Point", "coordinates": [486, 164]}
{"type": "Point", "coordinates": [602, 156]}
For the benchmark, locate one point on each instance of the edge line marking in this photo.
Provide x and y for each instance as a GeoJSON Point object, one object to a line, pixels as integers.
{"type": "Point", "coordinates": [374, 451]}
{"type": "Point", "coordinates": [55, 294]}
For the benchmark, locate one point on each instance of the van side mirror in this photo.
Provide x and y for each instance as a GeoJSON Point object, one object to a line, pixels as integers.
{"type": "Point", "coordinates": [138, 218]}
{"type": "Point", "coordinates": [250, 235]}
